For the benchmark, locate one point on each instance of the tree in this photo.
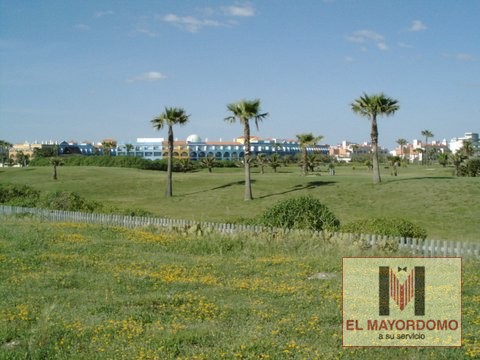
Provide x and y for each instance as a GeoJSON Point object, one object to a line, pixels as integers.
{"type": "Point", "coordinates": [275, 162]}
{"type": "Point", "coordinates": [261, 161]}
{"type": "Point", "coordinates": [46, 151]}
{"type": "Point", "coordinates": [371, 106]}
{"type": "Point", "coordinates": [22, 158]}
{"type": "Point", "coordinates": [305, 141]}
{"type": "Point", "coordinates": [402, 143]}
{"type": "Point", "coordinates": [108, 146]}
{"type": "Point", "coordinates": [209, 163]}
{"type": "Point", "coordinates": [428, 134]}
{"type": "Point", "coordinates": [55, 162]}
{"type": "Point", "coordinates": [457, 160]}
{"type": "Point", "coordinates": [467, 149]}
{"type": "Point", "coordinates": [473, 167]}
{"type": "Point", "coordinates": [312, 162]}
{"type": "Point", "coordinates": [394, 162]}
{"type": "Point", "coordinates": [129, 147]}
{"type": "Point", "coordinates": [443, 159]}
{"type": "Point", "coordinates": [4, 151]}
{"type": "Point", "coordinates": [244, 111]}
{"type": "Point", "coordinates": [170, 117]}
{"type": "Point", "coordinates": [185, 165]}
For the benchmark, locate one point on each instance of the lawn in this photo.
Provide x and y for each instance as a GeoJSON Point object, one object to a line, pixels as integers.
{"type": "Point", "coordinates": [430, 196]}
{"type": "Point", "coordinates": [78, 291]}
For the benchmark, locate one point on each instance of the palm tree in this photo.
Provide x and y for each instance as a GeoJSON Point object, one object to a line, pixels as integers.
{"type": "Point", "coordinates": [312, 162]}
{"type": "Point", "coordinates": [261, 161]}
{"type": "Point", "coordinates": [394, 162]}
{"type": "Point", "coordinates": [55, 162]}
{"type": "Point", "coordinates": [108, 146]}
{"type": "Point", "coordinates": [457, 160]}
{"type": "Point", "coordinates": [443, 159]}
{"type": "Point", "coordinates": [428, 134]}
{"type": "Point", "coordinates": [208, 162]}
{"type": "Point", "coordinates": [244, 111]}
{"type": "Point", "coordinates": [372, 106]}
{"type": "Point", "coordinates": [4, 150]}
{"type": "Point", "coordinates": [171, 116]}
{"type": "Point", "coordinates": [22, 158]}
{"type": "Point", "coordinates": [275, 162]}
{"type": "Point", "coordinates": [306, 140]}
{"type": "Point", "coordinates": [185, 164]}
{"type": "Point", "coordinates": [467, 149]}
{"type": "Point", "coordinates": [129, 147]}
{"type": "Point", "coordinates": [402, 142]}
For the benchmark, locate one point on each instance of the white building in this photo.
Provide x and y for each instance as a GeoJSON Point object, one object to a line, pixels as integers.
{"type": "Point", "coordinates": [457, 143]}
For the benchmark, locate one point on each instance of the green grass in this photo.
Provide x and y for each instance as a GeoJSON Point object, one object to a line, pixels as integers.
{"type": "Point", "coordinates": [77, 291]}
{"type": "Point", "coordinates": [430, 196]}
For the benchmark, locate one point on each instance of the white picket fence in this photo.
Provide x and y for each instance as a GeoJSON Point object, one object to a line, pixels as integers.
{"type": "Point", "coordinates": [417, 247]}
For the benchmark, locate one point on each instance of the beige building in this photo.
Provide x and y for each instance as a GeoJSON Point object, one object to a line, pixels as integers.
{"type": "Point", "coordinates": [26, 149]}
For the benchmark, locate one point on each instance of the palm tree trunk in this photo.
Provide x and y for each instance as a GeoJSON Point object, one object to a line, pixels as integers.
{"type": "Point", "coordinates": [169, 189]}
{"type": "Point", "coordinates": [55, 172]}
{"type": "Point", "coordinates": [304, 165]}
{"type": "Point", "coordinates": [374, 139]}
{"type": "Point", "coordinates": [246, 159]}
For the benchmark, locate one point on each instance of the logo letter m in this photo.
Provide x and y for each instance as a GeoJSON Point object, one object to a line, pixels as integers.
{"type": "Point", "coordinates": [401, 293]}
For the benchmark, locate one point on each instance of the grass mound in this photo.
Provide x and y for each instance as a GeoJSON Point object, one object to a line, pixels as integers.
{"type": "Point", "coordinates": [386, 226]}
{"type": "Point", "coordinates": [303, 212]}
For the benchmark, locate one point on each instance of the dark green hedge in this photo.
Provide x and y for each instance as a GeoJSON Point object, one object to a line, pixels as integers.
{"type": "Point", "coordinates": [300, 213]}
{"type": "Point", "coordinates": [386, 226]}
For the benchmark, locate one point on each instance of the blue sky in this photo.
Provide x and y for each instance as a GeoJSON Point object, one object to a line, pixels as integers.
{"type": "Point", "coordinates": [95, 69]}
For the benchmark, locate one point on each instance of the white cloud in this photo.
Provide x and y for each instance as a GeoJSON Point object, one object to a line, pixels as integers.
{"type": "Point", "coordinates": [99, 14]}
{"type": "Point", "coordinates": [348, 59]}
{"type": "Point", "coordinates": [464, 57]}
{"type": "Point", "coordinates": [210, 17]}
{"type": "Point", "coordinates": [405, 45]}
{"type": "Point", "coordinates": [363, 36]}
{"type": "Point", "coordinates": [366, 37]}
{"type": "Point", "coordinates": [83, 27]}
{"type": "Point", "coordinates": [460, 56]}
{"type": "Point", "coordinates": [148, 76]}
{"type": "Point", "coordinates": [382, 46]}
{"type": "Point", "coordinates": [239, 10]}
{"type": "Point", "coordinates": [146, 32]}
{"type": "Point", "coordinates": [417, 25]}
{"type": "Point", "coordinates": [190, 23]}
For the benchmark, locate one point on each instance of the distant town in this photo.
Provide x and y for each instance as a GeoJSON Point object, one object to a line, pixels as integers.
{"type": "Point", "coordinates": [195, 148]}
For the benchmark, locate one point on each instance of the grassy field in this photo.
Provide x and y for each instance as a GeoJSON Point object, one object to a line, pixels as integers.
{"type": "Point", "coordinates": [77, 291]}
{"type": "Point", "coordinates": [446, 206]}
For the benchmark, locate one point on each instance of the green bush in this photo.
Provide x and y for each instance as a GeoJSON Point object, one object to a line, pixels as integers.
{"type": "Point", "coordinates": [473, 167]}
{"type": "Point", "coordinates": [18, 195]}
{"type": "Point", "coordinates": [386, 226]}
{"type": "Point", "coordinates": [300, 213]}
{"type": "Point", "coordinates": [108, 161]}
{"type": "Point", "coordinates": [68, 201]}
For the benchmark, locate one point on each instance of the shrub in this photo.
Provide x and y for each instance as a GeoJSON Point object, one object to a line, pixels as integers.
{"type": "Point", "coordinates": [300, 213]}
{"type": "Point", "coordinates": [473, 167]}
{"type": "Point", "coordinates": [68, 201]}
{"type": "Point", "coordinates": [386, 226]}
{"type": "Point", "coordinates": [18, 195]}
